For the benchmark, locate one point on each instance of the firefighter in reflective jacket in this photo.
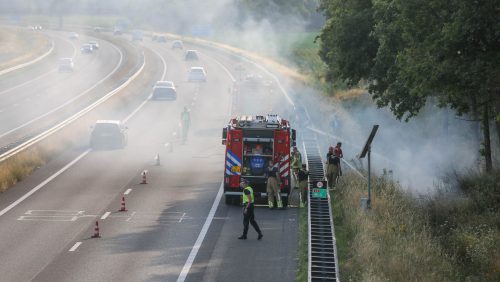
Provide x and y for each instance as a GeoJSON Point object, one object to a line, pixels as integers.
{"type": "Point", "coordinates": [296, 165]}
{"type": "Point", "coordinates": [273, 186]}
{"type": "Point", "coordinates": [248, 210]}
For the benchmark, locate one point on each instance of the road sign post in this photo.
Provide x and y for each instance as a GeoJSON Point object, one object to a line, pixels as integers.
{"type": "Point", "coordinates": [367, 151]}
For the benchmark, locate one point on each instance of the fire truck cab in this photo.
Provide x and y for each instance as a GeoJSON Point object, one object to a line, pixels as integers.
{"type": "Point", "coordinates": [251, 142]}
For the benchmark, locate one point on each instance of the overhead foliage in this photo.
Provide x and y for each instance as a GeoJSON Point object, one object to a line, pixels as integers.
{"type": "Point", "coordinates": [411, 50]}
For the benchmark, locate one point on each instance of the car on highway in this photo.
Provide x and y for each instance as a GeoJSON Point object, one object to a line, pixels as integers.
{"type": "Point", "coordinates": [161, 39]}
{"type": "Point", "coordinates": [165, 83]}
{"type": "Point", "coordinates": [191, 55]}
{"type": "Point", "coordinates": [86, 49]}
{"type": "Point", "coordinates": [164, 93]}
{"type": "Point", "coordinates": [117, 31]}
{"type": "Point", "coordinates": [177, 44]}
{"type": "Point", "coordinates": [94, 44]}
{"type": "Point", "coordinates": [66, 65]}
{"type": "Point", "coordinates": [73, 35]}
{"type": "Point", "coordinates": [98, 29]}
{"type": "Point", "coordinates": [197, 74]}
{"type": "Point", "coordinates": [108, 134]}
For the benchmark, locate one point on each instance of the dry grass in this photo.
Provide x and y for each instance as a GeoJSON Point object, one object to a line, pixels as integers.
{"type": "Point", "coordinates": [18, 45]}
{"type": "Point", "coordinates": [390, 242]}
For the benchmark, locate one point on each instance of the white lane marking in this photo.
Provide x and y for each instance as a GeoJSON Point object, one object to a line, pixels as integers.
{"type": "Point", "coordinates": [132, 215]}
{"type": "Point", "coordinates": [52, 44]}
{"type": "Point", "coordinates": [223, 67]}
{"type": "Point", "coordinates": [164, 63]}
{"type": "Point", "coordinates": [182, 217]}
{"type": "Point", "coordinates": [39, 186]}
{"type": "Point", "coordinates": [70, 100]}
{"type": "Point", "coordinates": [128, 191]}
{"type": "Point", "coordinates": [75, 246]}
{"type": "Point", "coordinates": [104, 216]}
{"type": "Point", "coordinates": [201, 237]}
{"type": "Point", "coordinates": [27, 82]}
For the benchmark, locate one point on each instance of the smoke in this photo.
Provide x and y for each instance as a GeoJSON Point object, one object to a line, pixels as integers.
{"type": "Point", "coordinates": [419, 152]}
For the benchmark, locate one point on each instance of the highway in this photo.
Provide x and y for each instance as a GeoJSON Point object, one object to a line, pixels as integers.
{"type": "Point", "coordinates": [176, 226]}
{"type": "Point", "coordinates": [36, 97]}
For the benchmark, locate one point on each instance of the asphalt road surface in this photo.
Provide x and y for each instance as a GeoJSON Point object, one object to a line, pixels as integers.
{"type": "Point", "coordinates": [175, 227]}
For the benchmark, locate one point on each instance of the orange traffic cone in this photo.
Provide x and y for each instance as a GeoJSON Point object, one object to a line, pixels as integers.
{"type": "Point", "coordinates": [123, 208]}
{"type": "Point", "coordinates": [144, 181]}
{"type": "Point", "coordinates": [96, 230]}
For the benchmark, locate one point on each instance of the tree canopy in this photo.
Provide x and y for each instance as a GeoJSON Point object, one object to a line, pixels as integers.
{"type": "Point", "coordinates": [411, 50]}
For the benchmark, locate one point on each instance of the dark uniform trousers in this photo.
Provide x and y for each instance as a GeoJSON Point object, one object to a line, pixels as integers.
{"type": "Point", "coordinates": [249, 217]}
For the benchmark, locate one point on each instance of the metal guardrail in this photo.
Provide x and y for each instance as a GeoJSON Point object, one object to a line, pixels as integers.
{"type": "Point", "coordinates": [322, 253]}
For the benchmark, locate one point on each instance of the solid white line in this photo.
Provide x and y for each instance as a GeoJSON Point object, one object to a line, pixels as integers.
{"type": "Point", "coordinates": [39, 186]}
{"type": "Point", "coordinates": [30, 62]}
{"type": "Point", "coordinates": [75, 246]}
{"type": "Point", "coordinates": [104, 216]}
{"type": "Point", "coordinates": [128, 191]}
{"type": "Point", "coordinates": [201, 237]}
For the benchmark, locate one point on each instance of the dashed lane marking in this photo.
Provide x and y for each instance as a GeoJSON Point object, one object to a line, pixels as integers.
{"type": "Point", "coordinates": [75, 246]}
{"type": "Point", "coordinates": [128, 191]}
{"type": "Point", "coordinates": [104, 216]}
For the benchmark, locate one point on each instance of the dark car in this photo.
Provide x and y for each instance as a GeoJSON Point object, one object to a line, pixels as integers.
{"type": "Point", "coordinates": [177, 44]}
{"type": "Point", "coordinates": [108, 134]}
{"type": "Point", "coordinates": [161, 39]}
{"type": "Point", "coordinates": [191, 55]}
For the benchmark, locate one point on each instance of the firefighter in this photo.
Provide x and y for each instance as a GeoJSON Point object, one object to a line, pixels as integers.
{"type": "Point", "coordinates": [185, 123]}
{"type": "Point", "coordinates": [303, 176]}
{"type": "Point", "coordinates": [338, 152]}
{"type": "Point", "coordinates": [248, 210]}
{"type": "Point", "coordinates": [273, 186]}
{"type": "Point", "coordinates": [333, 168]}
{"type": "Point", "coordinates": [296, 165]}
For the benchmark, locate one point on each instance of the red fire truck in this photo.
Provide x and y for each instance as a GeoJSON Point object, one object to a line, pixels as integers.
{"type": "Point", "coordinates": [251, 141]}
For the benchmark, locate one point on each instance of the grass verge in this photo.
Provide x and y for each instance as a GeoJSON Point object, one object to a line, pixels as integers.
{"type": "Point", "coordinates": [452, 238]}
{"type": "Point", "coordinates": [302, 253]}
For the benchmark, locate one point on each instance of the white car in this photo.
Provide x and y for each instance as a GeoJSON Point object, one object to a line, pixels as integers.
{"type": "Point", "coordinates": [73, 35]}
{"type": "Point", "coordinates": [94, 45]}
{"type": "Point", "coordinates": [66, 65]}
{"type": "Point", "coordinates": [164, 93]}
{"type": "Point", "coordinates": [86, 49]}
{"type": "Point", "coordinates": [197, 74]}
{"type": "Point", "coordinates": [165, 83]}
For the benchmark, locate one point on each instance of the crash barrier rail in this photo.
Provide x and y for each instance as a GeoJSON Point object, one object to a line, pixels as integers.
{"type": "Point", "coordinates": [32, 141]}
{"type": "Point", "coordinates": [322, 250]}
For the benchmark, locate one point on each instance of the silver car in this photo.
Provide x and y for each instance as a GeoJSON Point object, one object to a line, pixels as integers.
{"type": "Point", "coordinates": [197, 74]}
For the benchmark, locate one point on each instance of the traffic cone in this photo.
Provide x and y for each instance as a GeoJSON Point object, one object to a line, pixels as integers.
{"type": "Point", "coordinates": [144, 181]}
{"type": "Point", "coordinates": [96, 230]}
{"type": "Point", "coordinates": [157, 159]}
{"type": "Point", "coordinates": [123, 208]}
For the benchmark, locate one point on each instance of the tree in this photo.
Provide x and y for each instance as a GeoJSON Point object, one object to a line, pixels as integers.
{"type": "Point", "coordinates": [448, 50]}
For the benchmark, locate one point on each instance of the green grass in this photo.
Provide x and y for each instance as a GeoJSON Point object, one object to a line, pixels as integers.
{"type": "Point", "coordinates": [302, 270]}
